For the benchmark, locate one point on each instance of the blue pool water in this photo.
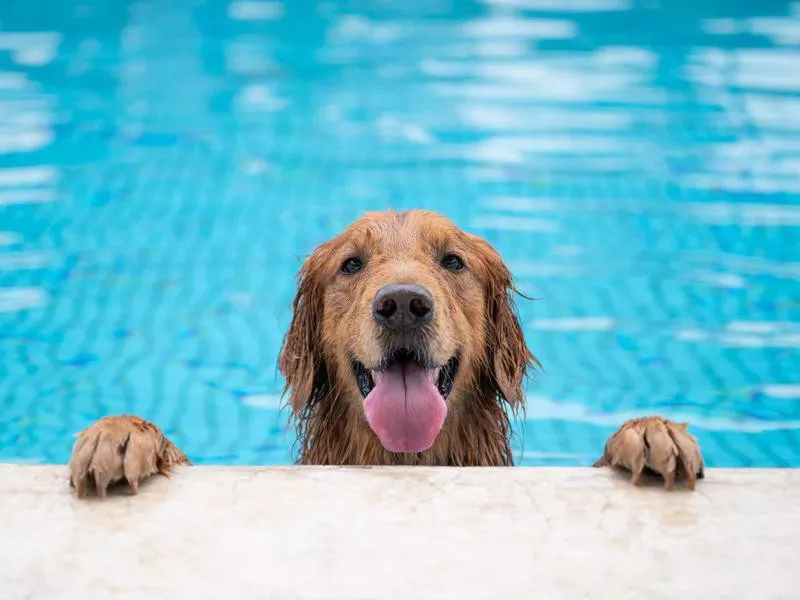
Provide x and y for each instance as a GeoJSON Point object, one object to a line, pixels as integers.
{"type": "Point", "coordinates": [165, 165]}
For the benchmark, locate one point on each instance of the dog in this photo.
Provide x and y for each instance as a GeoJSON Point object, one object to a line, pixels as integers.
{"type": "Point", "coordinates": [404, 348]}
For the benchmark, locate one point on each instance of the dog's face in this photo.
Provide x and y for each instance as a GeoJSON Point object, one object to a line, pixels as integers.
{"type": "Point", "coordinates": [404, 315]}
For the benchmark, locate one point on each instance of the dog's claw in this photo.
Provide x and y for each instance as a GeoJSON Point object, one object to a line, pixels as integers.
{"type": "Point", "coordinates": [657, 444]}
{"type": "Point", "coordinates": [116, 448]}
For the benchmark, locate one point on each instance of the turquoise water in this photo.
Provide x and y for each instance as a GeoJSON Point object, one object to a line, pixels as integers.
{"type": "Point", "coordinates": [165, 165]}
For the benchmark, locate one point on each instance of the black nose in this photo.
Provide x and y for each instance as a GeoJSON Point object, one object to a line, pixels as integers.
{"type": "Point", "coordinates": [402, 306]}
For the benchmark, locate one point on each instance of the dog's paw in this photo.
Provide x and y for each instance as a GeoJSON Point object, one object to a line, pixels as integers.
{"type": "Point", "coordinates": [658, 445]}
{"type": "Point", "coordinates": [117, 448]}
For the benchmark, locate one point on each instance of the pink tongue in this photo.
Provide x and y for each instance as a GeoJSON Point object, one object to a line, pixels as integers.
{"type": "Point", "coordinates": [405, 409]}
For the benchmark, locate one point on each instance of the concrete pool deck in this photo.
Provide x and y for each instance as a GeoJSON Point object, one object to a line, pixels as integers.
{"type": "Point", "coordinates": [405, 533]}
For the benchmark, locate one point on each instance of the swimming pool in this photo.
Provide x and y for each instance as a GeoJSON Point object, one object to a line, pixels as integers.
{"type": "Point", "coordinates": [164, 167]}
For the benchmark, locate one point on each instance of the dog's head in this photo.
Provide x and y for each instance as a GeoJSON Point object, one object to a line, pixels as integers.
{"type": "Point", "coordinates": [405, 315]}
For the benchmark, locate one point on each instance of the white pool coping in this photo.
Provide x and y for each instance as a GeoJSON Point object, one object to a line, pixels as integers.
{"type": "Point", "coordinates": [404, 533]}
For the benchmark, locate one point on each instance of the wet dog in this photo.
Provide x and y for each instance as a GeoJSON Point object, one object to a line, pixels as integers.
{"type": "Point", "coordinates": [404, 349]}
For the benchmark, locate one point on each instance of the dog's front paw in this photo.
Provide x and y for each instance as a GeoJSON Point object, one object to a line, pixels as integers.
{"type": "Point", "coordinates": [656, 444]}
{"type": "Point", "coordinates": [116, 448]}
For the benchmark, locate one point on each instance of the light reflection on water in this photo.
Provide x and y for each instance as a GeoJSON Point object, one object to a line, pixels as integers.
{"type": "Point", "coordinates": [164, 165]}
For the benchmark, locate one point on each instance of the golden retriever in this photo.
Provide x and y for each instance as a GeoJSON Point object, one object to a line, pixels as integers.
{"type": "Point", "coordinates": [404, 349]}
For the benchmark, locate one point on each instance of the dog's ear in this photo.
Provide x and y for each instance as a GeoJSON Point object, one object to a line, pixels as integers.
{"type": "Point", "coordinates": [301, 361]}
{"type": "Point", "coordinates": [507, 355]}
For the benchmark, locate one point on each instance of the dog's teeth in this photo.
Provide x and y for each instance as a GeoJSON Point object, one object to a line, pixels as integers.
{"type": "Point", "coordinates": [376, 376]}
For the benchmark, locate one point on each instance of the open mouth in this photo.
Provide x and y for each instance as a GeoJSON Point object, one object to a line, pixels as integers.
{"type": "Point", "coordinates": [404, 399]}
{"type": "Point", "coordinates": [443, 376]}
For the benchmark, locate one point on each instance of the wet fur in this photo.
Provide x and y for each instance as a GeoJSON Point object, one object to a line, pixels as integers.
{"type": "Point", "coordinates": [326, 410]}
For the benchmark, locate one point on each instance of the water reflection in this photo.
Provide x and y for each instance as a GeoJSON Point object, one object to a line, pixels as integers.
{"type": "Point", "coordinates": [164, 165]}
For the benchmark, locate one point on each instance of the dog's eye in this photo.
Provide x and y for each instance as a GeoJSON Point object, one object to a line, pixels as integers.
{"type": "Point", "coordinates": [451, 262]}
{"type": "Point", "coordinates": [352, 265]}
